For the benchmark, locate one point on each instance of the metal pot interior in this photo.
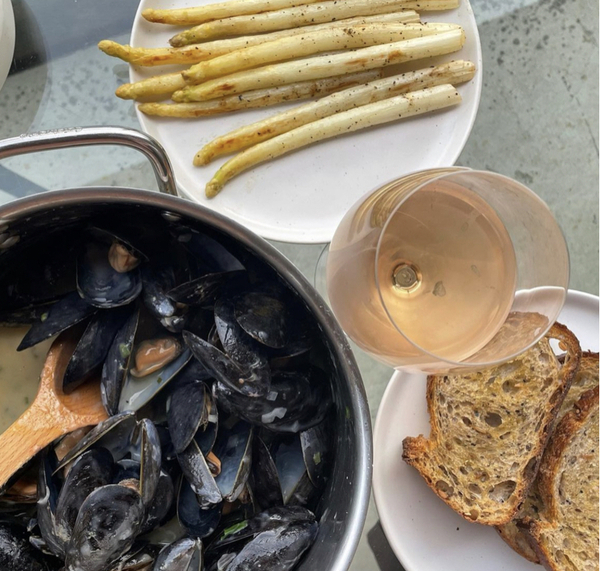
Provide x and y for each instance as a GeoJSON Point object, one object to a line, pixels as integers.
{"type": "Point", "coordinates": [30, 227]}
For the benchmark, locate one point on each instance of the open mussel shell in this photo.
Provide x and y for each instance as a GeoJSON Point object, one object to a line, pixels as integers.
{"type": "Point", "coordinates": [157, 280]}
{"type": "Point", "coordinates": [265, 479]}
{"type": "Point", "coordinates": [48, 492]}
{"type": "Point", "coordinates": [316, 451]}
{"type": "Point", "coordinates": [63, 314]}
{"type": "Point", "coordinates": [197, 473]}
{"type": "Point", "coordinates": [187, 410]}
{"type": "Point", "coordinates": [114, 434]}
{"type": "Point", "coordinates": [137, 392]}
{"type": "Point", "coordinates": [264, 317]}
{"type": "Point", "coordinates": [263, 521]}
{"type": "Point", "coordinates": [93, 346]}
{"type": "Point", "coordinates": [140, 557]}
{"type": "Point", "coordinates": [93, 469]}
{"type": "Point", "coordinates": [296, 487]}
{"type": "Point", "coordinates": [16, 553]}
{"type": "Point", "coordinates": [150, 459]}
{"type": "Point", "coordinates": [26, 315]}
{"type": "Point", "coordinates": [241, 348]}
{"type": "Point", "coordinates": [106, 527]}
{"type": "Point", "coordinates": [279, 548]}
{"type": "Point", "coordinates": [234, 450]}
{"type": "Point", "coordinates": [160, 505]}
{"type": "Point", "coordinates": [183, 555]}
{"type": "Point", "coordinates": [224, 369]}
{"type": "Point", "coordinates": [211, 252]}
{"type": "Point", "coordinates": [117, 364]}
{"type": "Point", "coordinates": [100, 284]}
{"type": "Point", "coordinates": [202, 290]}
{"type": "Point", "coordinates": [199, 521]}
{"type": "Point", "coordinates": [296, 401]}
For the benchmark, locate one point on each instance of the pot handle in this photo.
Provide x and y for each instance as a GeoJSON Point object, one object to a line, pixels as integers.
{"type": "Point", "coordinates": [83, 136]}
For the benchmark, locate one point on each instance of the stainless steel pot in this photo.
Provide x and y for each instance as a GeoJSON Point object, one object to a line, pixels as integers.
{"type": "Point", "coordinates": [347, 495]}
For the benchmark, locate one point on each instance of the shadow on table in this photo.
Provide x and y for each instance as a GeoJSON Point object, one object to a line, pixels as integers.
{"type": "Point", "coordinates": [381, 549]}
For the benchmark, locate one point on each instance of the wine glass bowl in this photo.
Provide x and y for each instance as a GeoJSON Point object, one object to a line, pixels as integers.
{"type": "Point", "coordinates": [446, 269]}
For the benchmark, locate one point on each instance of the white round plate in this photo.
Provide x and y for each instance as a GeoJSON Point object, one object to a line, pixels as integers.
{"type": "Point", "coordinates": [301, 197]}
{"type": "Point", "coordinates": [7, 38]}
{"type": "Point", "coordinates": [424, 533]}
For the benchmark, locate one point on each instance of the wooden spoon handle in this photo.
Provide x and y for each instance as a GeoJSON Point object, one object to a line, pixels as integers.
{"type": "Point", "coordinates": [31, 432]}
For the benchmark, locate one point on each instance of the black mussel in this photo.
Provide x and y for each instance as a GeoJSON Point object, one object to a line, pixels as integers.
{"type": "Point", "coordinates": [99, 283]}
{"type": "Point", "coordinates": [114, 434]}
{"type": "Point", "coordinates": [207, 435]}
{"type": "Point", "coordinates": [183, 555]}
{"type": "Point", "coordinates": [224, 369]}
{"type": "Point", "coordinates": [241, 348]}
{"type": "Point", "coordinates": [263, 521]}
{"type": "Point", "coordinates": [296, 401]}
{"type": "Point", "coordinates": [117, 363]}
{"type": "Point", "coordinates": [265, 479]}
{"type": "Point", "coordinates": [154, 354]}
{"type": "Point", "coordinates": [150, 459]}
{"type": "Point", "coordinates": [26, 315]}
{"type": "Point", "coordinates": [93, 346]}
{"type": "Point", "coordinates": [16, 553]}
{"type": "Point", "coordinates": [123, 256]}
{"type": "Point", "coordinates": [233, 449]}
{"type": "Point", "coordinates": [264, 317]}
{"type": "Point", "coordinates": [187, 411]}
{"type": "Point", "coordinates": [48, 492]}
{"type": "Point", "coordinates": [316, 450]}
{"type": "Point", "coordinates": [140, 557]}
{"type": "Point", "coordinates": [108, 522]}
{"type": "Point", "coordinates": [160, 507]}
{"type": "Point", "coordinates": [196, 471]}
{"type": "Point", "coordinates": [202, 291]}
{"type": "Point", "coordinates": [206, 252]}
{"type": "Point", "coordinates": [63, 314]}
{"type": "Point", "coordinates": [199, 521]}
{"type": "Point", "coordinates": [296, 487]}
{"type": "Point", "coordinates": [91, 470]}
{"type": "Point", "coordinates": [138, 391]}
{"type": "Point", "coordinates": [157, 280]}
{"type": "Point", "coordinates": [277, 549]}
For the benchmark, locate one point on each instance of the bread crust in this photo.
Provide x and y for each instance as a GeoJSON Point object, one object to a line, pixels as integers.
{"type": "Point", "coordinates": [566, 429]}
{"type": "Point", "coordinates": [512, 533]}
{"type": "Point", "coordinates": [416, 448]}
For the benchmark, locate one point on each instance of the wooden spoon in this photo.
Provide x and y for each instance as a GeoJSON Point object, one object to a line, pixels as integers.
{"type": "Point", "coordinates": [52, 414]}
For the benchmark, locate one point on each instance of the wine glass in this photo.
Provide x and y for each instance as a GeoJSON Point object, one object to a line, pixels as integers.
{"type": "Point", "coordinates": [447, 269]}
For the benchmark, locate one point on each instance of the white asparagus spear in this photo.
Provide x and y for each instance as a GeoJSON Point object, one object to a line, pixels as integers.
{"type": "Point", "coordinates": [157, 85]}
{"type": "Point", "coordinates": [199, 14]}
{"type": "Point", "coordinates": [455, 72]}
{"type": "Point", "coordinates": [302, 16]}
{"type": "Point", "coordinates": [385, 111]}
{"type": "Point", "coordinates": [324, 66]}
{"type": "Point", "coordinates": [260, 97]}
{"type": "Point", "coordinates": [320, 41]}
{"type": "Point", "coordinates": [195, 53]}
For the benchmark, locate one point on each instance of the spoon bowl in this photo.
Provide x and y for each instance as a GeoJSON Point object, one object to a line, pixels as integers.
{"type": "Point", "coordinates": [52, 414]}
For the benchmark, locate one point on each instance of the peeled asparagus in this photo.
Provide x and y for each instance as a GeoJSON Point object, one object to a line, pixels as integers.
{"type": "Point", "coordinates": [385, 111]}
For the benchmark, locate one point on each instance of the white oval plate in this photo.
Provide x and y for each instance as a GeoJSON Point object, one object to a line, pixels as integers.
{"type": "Point", "coordinates": [424, 533]}
{"type": "Point", "coordinates": [7, 38]}
{"type": "Point", "coordinates": [302, 197]}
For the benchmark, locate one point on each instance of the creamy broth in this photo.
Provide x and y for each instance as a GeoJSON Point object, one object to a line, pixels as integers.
{"type": "Point", "coordinates": [19, 374]}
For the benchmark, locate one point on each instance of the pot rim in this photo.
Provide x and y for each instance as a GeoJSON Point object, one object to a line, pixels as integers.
{"type": "Point", "coordinates": [361, 487]}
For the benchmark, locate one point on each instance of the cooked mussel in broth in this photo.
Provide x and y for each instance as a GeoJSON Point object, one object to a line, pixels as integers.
{"type": "Point", "coordinates": [216, 451]}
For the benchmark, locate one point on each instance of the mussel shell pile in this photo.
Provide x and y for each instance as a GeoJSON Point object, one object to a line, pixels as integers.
{"type": "Point", "coordinates": [218, 389]}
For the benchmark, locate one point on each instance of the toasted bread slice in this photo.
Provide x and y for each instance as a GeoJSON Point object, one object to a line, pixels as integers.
{"type": "Point", "coordinates": [489, 429]}
{"type": "Point", "coordinates": [586, 379]}
{"type": "Point", "coordinates": [565, 537]}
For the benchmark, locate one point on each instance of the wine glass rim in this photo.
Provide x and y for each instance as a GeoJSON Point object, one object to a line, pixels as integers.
{"type": "Point", "coordinates": [459, 170]}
